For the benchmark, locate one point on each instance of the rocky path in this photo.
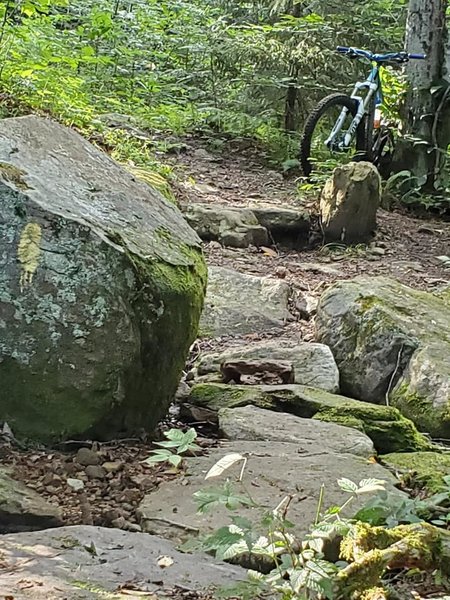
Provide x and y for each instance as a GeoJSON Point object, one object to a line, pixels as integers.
{"type": "Point", "coordinates": [405, 247]}
{"type": "Point", "coordinates": [256, 352]}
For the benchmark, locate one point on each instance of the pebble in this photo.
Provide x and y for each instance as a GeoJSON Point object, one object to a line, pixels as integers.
{"type": "Point", "coordinates": [95, 472]}
{"type": "Point", "coordinates": [87, 457]}
{"type": "Point", "coordinates": [281, 272]}
{"type": "Point", "coordinates": [112, 467]}
{"type": "Point", "coordinates": [378, 251]}
{"type": "Point", "coordinates": [119, 523]}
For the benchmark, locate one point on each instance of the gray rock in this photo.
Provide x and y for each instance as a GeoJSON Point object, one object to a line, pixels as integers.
{"type": "Point", "coordinates": [86, 456]}
{"type": "Point", "coordinates": [275, 469]}
{"type": "Point", "coordinates": [390, 339]}
{"type": "Point", "coordinates": [306, 304]}
{"type": "Point", "coordinates": [386, 427]}
{"type": "Point", "coordinates": [251, 423]}
{"type": "Point", "coordinates": [235, 227]}
{"type": "Point", "coordinates": [349, 203]}
{"type": "Point", "coordinates": [87, 563]}
{"type": "Point", "coordinates": [101, 288]}
{"type": "Point", "coordinates": [95, 472]}
{"type": "Point", "coordinates": [22, 509]}
{"type": "Point", "coordinates": [313, 364]}
{"type": "Point", "coordinates": [286, 225]}
{"type": "Point", "coordinates": [237, 303]}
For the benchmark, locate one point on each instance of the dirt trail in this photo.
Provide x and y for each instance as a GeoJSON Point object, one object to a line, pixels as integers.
{"type": "Point", "coordinates": [407, 248]}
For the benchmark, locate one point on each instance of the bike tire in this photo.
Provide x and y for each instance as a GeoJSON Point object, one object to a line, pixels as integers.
{"type": "Point", "coordinates": [328, 102]}
{"type": "Point", "coordinates": [369, 140]}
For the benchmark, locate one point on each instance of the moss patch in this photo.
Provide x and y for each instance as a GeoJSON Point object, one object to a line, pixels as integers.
{"type": "Point", "coordinates": [387, 428]}
{"type": "Point", "coordinates": [13, 175]}
{"type": "Point", "coordinates": [425, 468]}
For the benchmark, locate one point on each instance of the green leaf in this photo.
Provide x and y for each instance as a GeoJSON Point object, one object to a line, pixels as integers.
{"type": "Point", "coordinates": [212, 498]}
{"type": "Point", "coordinates": [371, 485]}
{"type": "Point", "coordinates": [175, 460]}
{"type": "Point", "coordinates": [347, 485]}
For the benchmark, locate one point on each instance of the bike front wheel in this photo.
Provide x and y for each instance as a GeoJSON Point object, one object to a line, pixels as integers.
{"type": "Point", "coordinates": [314, 152]}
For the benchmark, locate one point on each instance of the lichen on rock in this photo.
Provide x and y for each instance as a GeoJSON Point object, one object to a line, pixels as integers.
{"type": "Point", "coordinates": [97, 308]}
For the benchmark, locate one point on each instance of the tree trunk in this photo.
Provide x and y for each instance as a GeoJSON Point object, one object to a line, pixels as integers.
{"type": "Point", "coordinates": [295, 9]}
{"type": "Point", "coordinates": [426, 114]}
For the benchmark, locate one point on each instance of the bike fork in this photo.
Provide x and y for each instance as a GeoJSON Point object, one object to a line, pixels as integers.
{"type": "Point", "coordinates": [353, 126]}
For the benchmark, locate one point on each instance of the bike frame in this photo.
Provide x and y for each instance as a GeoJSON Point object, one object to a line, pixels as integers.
{"type": "Point", "coordinates": [373, 86]}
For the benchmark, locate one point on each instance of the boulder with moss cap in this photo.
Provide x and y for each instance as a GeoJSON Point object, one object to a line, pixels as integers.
{"type": "Point", "coordinates": [101, 289]}
{"type": "Point", "coordinates": [384, 425]}
{"type": "Point", "coordinates": [391, 342]}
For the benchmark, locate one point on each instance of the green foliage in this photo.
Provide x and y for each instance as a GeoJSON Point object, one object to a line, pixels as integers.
{"type": "Point", "coordinates": [301, 570]}
{"type": "Point", "coordinates": [183, 65]}
{"type": "Point", "coordinates": [387, 509]}
{"type": "Point", "coordinates": [178, 443]}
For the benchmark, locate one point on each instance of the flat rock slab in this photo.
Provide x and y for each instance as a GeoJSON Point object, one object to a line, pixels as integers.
{"type": "Point", "coordinates": [390, 339]}
{"type": "Point", "coordinates": [251, 423]}
{"type": "Point", "coordinates": [237, 303]}
{"type": "Point", "coordinates": [23, 509]}
{"type": "Point", "coordinates": [313, 364]}
{"type": "Point", "coordinates": [84, 563]}
{"type": "Point", "coordinates": [385, 425]}
{"type": "Point", "coordinates": [235, 227]}
{"type": "Point", "coordinates": [274, 470]}
{"type": "Point", "coordinates": [287, 225]}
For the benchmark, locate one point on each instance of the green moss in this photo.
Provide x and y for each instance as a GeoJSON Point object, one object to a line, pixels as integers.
{"type": "Point", "coordinates": [14, 175]}
{"type": "Point", "coordinates": [176, 294]}
{"type": "Point", "coordinates": [387, 428]}
{"type": "Point", "coordinates": [96, 589]}
{"type": "Point", "coordinates": [217, 396]}
{"type": "Point", "coordinates": [421, 411]}
{"type": "Point", "coordinates": [425, 468]}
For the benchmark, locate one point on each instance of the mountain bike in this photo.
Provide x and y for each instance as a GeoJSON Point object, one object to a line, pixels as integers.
{"type": "Point", "coordinates": [351, 126]}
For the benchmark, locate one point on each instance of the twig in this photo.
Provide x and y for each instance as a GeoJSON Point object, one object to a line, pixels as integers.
{"type": "Point", "coordinates": [391, 381]}
{"type": "Point", "coordinates": [173, 523]}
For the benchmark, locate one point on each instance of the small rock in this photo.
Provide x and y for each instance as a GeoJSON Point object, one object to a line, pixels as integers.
{"type": "Point", "coordinates": [71, 468]}
{"type": "Point", "coordinates": [281, 272]}
{"type": "Point", "coordinates": [306, 304]}
{"type": "Point", "coordinates": [134, 527]}
{"type": "Point", "coordinates": [112, 467]}
{"type": "Point", "coordinates": [95, 472]}
{"type": "Point", "coordinates": [377, 251]}
{"type": "Point", "coordinates": [111, 514]}
{"type": "Point", "coordinates": [130, 495]}
{"type": "Point", "coordinates": [143, 482]}
{"type": "Point", "coordinates": [87, 457]}
{"type": "Point", "coordinates": [182, 392]}
{"type": "Point", "coordinates": [119, 523]}
{"type": "Point", "coordinates": [50, 479]}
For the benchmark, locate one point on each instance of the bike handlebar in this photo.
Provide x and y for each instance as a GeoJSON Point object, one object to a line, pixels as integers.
{"type": "Point", "coordinates": [398, 57]}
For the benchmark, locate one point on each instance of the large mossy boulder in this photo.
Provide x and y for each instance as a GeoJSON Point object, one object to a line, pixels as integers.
{"type": "Point", "coordinates": [384, 425]}
{"type": "Point", "coordinates": [391, 342]}
{"type": "Point", "coordinates": [101, 288]}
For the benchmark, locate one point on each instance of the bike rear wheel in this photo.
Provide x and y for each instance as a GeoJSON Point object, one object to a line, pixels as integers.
{"type": "Point", "coordinates": [318, 127]}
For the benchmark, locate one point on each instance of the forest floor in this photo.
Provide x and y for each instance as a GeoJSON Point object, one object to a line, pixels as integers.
{"type": "Point", "coordinates": [410, 250]}
{"type": "Point", "coordinates": [239, 177]}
